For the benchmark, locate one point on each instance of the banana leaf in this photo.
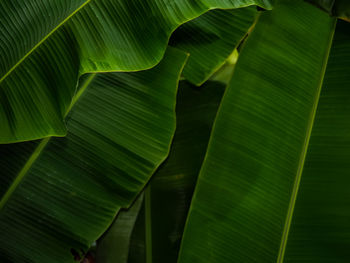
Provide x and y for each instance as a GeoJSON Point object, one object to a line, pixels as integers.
{"type": "Point", "coordinates": [45, 46]}
{"type": "Point", "coordinates": [60, 194]}
{"type": "Point", "coordinates": [260, 150]}
{"type": "Point", "coordinates": [338, 8]}
{"type": "Point", "coordinates": [320, 227]}
{"type": "Point", "coordinates": [210, 39]}
{"type": "Point", "coordinates": [224, 74]}
{"type": "Point", "coordinates": [170, 190]}
{"type": "Point", "coordinates": [137, 245]}
{"type": "Point", "coordinates": [114, 245]}
{"type": "Point", "coordinates": [160, 223]}
{"type": "Point", "coordinates": [326, 5]}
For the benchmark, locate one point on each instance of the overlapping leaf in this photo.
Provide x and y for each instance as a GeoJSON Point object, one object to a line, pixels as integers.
{"type": "Point", "coordinates": [259, 142]}
{"type": "Point", "coordinates": [114, 246]}
{"type": "Point", "coordinates": [339, 8]}
{"type": "Point", "coordinates": [210, 39]}
{"type": "Point", "coordinates": [60, 194]}
{"type": "Point", "coordinates": [168, 195]}
{"type": "Point", "coordinates": [171, 188]}
{"type": "Point", "coordinates": [38, 77]}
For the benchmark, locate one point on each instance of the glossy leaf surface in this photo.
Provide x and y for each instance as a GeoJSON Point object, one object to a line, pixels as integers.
{"type": "Point", "coordinates": [38, 77]}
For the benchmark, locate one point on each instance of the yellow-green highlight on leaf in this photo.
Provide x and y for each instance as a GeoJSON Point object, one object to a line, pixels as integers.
{"type": "Point", "coordinates": [210, 39]}
{"type": "Point", "coordinates": [70, 189]}
{"type": "Point", "coordinates": [47, 45]}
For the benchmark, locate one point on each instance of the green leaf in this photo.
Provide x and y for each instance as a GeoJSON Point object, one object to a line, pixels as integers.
{"type": "Point", "coordinates": [224, 74]}
{"type": "Point", "coordinates": [137, 247]}
{"type": "Point", "coordinates": [38, 67]}
{"type": "Point", "coordinates": [210, 39]}
{"type": "Point", "coordinates": [38, 77]}
{"type": "Point", "coordinates": [171, 188]}
{"type": "Point", "coordinates": [320, 228]}
{"type": "Point", "coordinates": [339, 8]}
{"type": "Point", "coordinates": [169, 193]}
{"type": "Point", "coordinates": [133, 35]}
{"type": "Point", "coordinates": [25, 26]}
{"type": "Point", "coordinates": [114, 245]}
{"type": "Point", "coordinates": [326, 5]}
{"type": "Point", "coordinates": [243, 203]}
{"type": "Point", "coordinates": [342, 9]}
{"type": "Point", "coordinates": [65, 192]}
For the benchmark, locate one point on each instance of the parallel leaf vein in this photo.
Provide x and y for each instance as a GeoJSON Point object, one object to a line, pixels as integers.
{"type": "Point", "coordinates": [42, 41]}
{"type": "Point", "coordinates": [303, 155]}
{"type": "Point", "coordinates": [34, 156]}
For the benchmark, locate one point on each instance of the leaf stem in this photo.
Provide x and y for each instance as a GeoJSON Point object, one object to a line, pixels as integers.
{"type": "Point", "coordinates": [148, 224]}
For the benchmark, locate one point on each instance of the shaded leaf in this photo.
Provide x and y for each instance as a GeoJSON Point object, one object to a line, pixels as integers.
{"type": "Point", "coordinates": [210, 39]}
{"type": "Point", "coordinates": [326, 5]}
{"type": "Point", "coordinates": [69, 189]}
{"type": "Point", "coordinates": [320, 230]}
{"type": "Point", "coordinates": [160, 223]}
{"type": "Point", "coordinates": [339, 8]}
{"type": "Point", "coordinates": [171, 187]}
{"type": "Point", "coordinates": [137, 248]}
{"type": "Point", "coordinates": [243, 202]}
{"type": "Point", "coordinates": [114, 245]}
{"type": "Point", "coordinates": [342, 9]}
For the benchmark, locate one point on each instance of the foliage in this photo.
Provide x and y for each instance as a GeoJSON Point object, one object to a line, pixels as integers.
{"type": "Point", "coordinates": [174, 131]}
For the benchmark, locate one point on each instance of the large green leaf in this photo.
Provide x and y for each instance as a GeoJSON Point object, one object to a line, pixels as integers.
{"type": "Point", "coordinates": [65, 192]}
{"type": "Point", "coordinates": [133, 35]}
{"type": "Point", "coordinates": [159, 227]}
{"type": "Point", "coordinates": [38, 69]}
{"type": "Point", "coordinates": [38, 77]}
{"type": "Point", "coordinates": [243, 203]}
{"type": "Point", "coordinates": [210, 39]}
{"type": "Point", "coordinates": [170, 190]}
{"type": "Point", "coordinates": [339, 8]}
{"type": "Point", "coordinates": [35, 87]}
{"type": "Point", "coordinates": [320, 230]}
{"type": "Point", "coordinates": [25, 25]}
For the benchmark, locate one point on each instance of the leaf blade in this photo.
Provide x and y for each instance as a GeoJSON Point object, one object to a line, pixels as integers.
{"type": "Point", "coordinates": [254, 159]}
{"type": "Point", "coordinates": [119, 132]}
{"type": "Point", "coordinates": [210, 39]}
{"type": "Point", "coordinates": [320, 217]}
{"type": "Point", "coordinates": [102, 36]}
{"type": "Point", "coordinates": [171, 187]}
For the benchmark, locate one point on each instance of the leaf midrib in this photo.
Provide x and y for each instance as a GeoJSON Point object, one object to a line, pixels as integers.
{"type": "Point", "coordinates": [42, 41]}
{"type": "Point", "coordinates": [38, 150]}
{"type": "Point", "coordinates": [303, 155]}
